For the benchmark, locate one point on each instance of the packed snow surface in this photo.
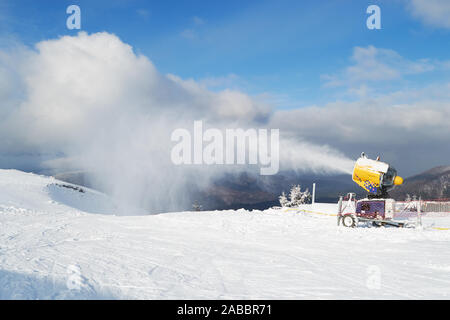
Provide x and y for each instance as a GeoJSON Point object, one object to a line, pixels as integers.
{"type": "Point", "coordinates": [60, 242]}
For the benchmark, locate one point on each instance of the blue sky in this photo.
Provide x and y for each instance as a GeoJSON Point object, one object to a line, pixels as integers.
{"type": "Point", "coordinates": [281, 49]}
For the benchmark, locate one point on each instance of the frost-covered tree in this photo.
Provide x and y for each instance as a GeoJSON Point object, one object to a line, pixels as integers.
{"type": "Point", "coordinates": [196, 206]}
{"type": "Point", "coordinates": [306, 197]}
{"type": "Point", "coordinates": [284, 202]}
{"type": "Point", "coordinates": [296, 197]}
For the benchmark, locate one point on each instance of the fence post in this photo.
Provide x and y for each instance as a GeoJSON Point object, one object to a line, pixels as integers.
{"type": "Point", "coordinates": [314, 194]}
{"type": "Point", "coordinates": [419, 213]}
{"type": "Point", "coordinates": [339, 210]}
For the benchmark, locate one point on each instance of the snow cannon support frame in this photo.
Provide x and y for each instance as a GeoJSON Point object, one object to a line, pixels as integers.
{"type": "Point", "coordinates": [379, 212]}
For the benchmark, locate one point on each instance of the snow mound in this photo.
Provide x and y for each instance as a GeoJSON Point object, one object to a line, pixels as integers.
{"type": "Point", "coordinates": [81, 198]}
{"type": "Point", "coordinates": [35, 192]}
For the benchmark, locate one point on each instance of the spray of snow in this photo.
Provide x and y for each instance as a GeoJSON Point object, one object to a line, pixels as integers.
{"type": "Point", "coordinates": [101, 108]}
{"type": "Point", "coordinates": [304, 156]}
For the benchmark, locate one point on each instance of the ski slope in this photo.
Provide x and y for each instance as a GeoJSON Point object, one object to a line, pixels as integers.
{"type": "Point", "coordinates": [59, 243]}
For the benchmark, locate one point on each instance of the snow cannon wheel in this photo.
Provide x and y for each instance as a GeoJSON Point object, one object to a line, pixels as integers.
{"type": "Point", "coordinates": [348, 221]}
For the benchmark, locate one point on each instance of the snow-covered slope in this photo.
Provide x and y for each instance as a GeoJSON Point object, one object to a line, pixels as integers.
{"type": "Point", "coordinates": [57, 242]}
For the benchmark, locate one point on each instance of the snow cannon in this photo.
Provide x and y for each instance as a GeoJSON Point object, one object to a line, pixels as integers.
{"type": "Point", "coordinates": [375, 176]}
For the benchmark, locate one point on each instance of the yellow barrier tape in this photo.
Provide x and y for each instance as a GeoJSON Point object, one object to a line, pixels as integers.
{"type": "Point", "coordinates": [321, 213]}
{"type": "Point", "coordinates": [309, 211]}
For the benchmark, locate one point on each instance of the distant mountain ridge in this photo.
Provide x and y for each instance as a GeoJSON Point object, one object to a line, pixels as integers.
{"type": "Point", "coordinates": [252, 191]}
{"type": "Point", "coordinates": [431, 184]}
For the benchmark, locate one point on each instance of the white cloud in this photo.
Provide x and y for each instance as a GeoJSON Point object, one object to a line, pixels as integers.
{"type": "Point", "coordinates": [371, 64]}
{"type": "Point", "coordinates": [407, 124]}
{"type": "Point", "coordinates": [198, 21]}
{"type": "Point", "coordinates": [143, 13]}
{"type": "Point", "coordinates": [432, 12]}
{"type": "Point", "coordinates": [189, 34]}
{"type": "Point", "coordinates": [192, 33]}
{"type": "Point", "coordinates": [408, 127]}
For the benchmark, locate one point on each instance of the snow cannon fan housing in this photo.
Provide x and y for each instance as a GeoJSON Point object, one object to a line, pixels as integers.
{"type": "Point", "coordinates": [374, 176]}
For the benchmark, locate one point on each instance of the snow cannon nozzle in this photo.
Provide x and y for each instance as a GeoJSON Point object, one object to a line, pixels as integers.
{"type": "Point", "coordinates": [398, 180]}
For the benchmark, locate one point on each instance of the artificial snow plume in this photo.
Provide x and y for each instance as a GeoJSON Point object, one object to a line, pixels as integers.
{"type": "Point", "coordinates": [90, 103]}
{"type": "Point", "coordinates": [304, 156]}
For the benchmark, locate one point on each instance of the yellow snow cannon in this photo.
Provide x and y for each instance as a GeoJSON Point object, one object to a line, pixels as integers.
{"type": "Point", "coordinates": [375, 176]}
